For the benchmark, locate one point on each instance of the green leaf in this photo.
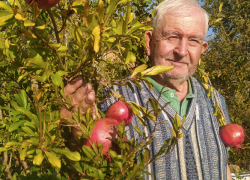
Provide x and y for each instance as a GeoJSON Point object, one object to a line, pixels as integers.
{"type": "Point", "coordinates": [29, 23]}
{"type": "Point", "coordinates": [113, 155]}
{"type": "Point", "coordinates": [33, 141]}
{"type": "Point", "coordinates": [38, 159]}
{"type": "Point", "coordinates": [23, 153]}
{"type": "Point", "coordinates": [2, 149]}
{"type": "Point", "coordinates": [12, 143]}
{"type": "Point", "coordinates": [138, 130]}
{"type": "Point", "coordinates": [139, 69]}
{"type": "Point", "coordinates": [220, 7]}
{"type": "Point", "coordinates": [77, 3]}
{"type": "Point", "coordinates": [124, 1]}
{"type": "Point", "coordinates": [96, 33]}
{"type": "Point", "coordinates": [157, 70]}
{"type": "Point", "coordinates": [117, 95]}
{"type": "Point", "coordinates": [125, 24]}
{"type": "Point", "coordinates": [41, 27]}
{"type": "Point", "coordinates": [177, 122]}
{"type": "Point", "coordinates": [181, 135]}
{"type": "Point", "coordinates": [23, 75]}
{"type": "Point", "coordinates": [62, 48]}
{"type": "Point", "coordinates": [5, 15]}
{"type": "Point", "coordinates": [27, 113]}
{"type": "Point", "coordinates": [146, 155]}
{"type": "Point", "coordinates": [5, 6]}
{"type": "Point", "coordinates": [88, 151]}
{"type": "Point", "coordinates": [131, 58]}
{"type": "Point", "coordinates": [38, 78]}
{"type": "Point", "coordinates": [23, 98]}
{"type": "Point", "coordinates": [74, 156]}
{"type": "Point", "coordinates": [173, 132]}
{"type": "Point", "coordinates": [28, 131]}
{"type": "Point", "coordinates": [15, 125]}
{"type": "Point", "coordinates": [35, 63]}
{"type": "Point", "coordinates": [133, 173]}
{"type": "Point", "coordinates": [56, 79]}
{"type": "Point", "coordinates": [53, 159]}
{"type": "Point", "coordinates": [110, 10]}
{"type": "Point", "coordinates": [100, 10]}
{"type": "Point", "coordinates": [61, 73]}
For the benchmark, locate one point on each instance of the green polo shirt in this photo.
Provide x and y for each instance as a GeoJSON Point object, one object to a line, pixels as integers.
{"type": "Point", "coordinates": [169, 95]}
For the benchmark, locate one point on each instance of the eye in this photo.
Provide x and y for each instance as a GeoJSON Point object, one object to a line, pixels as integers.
{"type": "Point", "coordinates": [172, 37]}
{"type": "Point", "coordinates": [194, 41]}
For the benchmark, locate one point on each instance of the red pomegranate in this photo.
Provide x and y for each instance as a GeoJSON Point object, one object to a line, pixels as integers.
{"type": "Point", "coordinates": [120, 112]}
{"type": "Point", "coordinates": [104, 128]}
{"type": "Point", "coordinates": [232, 135]}
{"type": "Point", "coordinates": [44, 4]}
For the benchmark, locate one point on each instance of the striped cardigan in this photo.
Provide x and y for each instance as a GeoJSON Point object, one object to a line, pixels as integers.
{"type": "Point", "coordinates": [200, 153]}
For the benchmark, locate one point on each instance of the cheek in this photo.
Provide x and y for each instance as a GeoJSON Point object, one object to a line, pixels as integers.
{"type": "Point", "coordinates": [163, 48]}
{"type": "Point", "coordinates": [195, 55]}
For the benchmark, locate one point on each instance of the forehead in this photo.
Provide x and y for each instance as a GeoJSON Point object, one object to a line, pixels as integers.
{"type": "Point", "coordinates": [190, 20]}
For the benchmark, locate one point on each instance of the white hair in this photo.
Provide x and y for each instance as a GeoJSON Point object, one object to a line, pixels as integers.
{"type": "Point", "coordinates": [169, 5]}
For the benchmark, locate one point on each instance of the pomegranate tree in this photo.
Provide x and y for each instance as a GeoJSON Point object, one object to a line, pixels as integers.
{"type": "Point", "coordinates": [44, 4]}
{"type": "Point", "coordinates": [120, 112]}
{"type": "Point", "coordinates": [103, 129]}
{"type": "Point", "coordinates": [232, 135]}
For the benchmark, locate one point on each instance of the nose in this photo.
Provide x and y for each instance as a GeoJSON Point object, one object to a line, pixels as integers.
{"type": "Point", "coordinates": [181, 48]}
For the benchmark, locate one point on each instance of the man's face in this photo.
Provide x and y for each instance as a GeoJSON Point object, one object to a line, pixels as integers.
{"type": "Point", "coordinates": [178, 42]}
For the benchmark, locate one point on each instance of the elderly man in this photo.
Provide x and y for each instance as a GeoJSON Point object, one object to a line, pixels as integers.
{"type": "Point", "coordinates": [180, 27]}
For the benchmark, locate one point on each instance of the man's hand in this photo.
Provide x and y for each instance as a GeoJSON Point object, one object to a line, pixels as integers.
{"type": "Point", "coordinates": [79, 95]}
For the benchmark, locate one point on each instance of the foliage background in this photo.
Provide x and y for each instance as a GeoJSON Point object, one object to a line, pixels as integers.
{"type": "Point", "coordinates": [227, 62]}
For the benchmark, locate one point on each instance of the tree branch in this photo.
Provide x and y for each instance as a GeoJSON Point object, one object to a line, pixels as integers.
{"type": "Point", "coordinates": [54, 24]}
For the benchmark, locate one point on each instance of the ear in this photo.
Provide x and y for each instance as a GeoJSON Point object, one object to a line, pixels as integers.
{"type": "Point", "coordinates": [204, 46]}
{"type": "Point", "coordinates": [149, 41]}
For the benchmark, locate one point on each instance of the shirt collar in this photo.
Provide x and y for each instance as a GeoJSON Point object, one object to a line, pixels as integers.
{"type": "Point", "coordinates": [159, 87]}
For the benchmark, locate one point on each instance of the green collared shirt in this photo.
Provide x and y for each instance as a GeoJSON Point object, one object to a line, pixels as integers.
{"type": "Point", "coordinates": [169, 95]}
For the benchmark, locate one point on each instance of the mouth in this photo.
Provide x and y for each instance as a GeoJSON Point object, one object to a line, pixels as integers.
{"type": "Point", "coordinates": [178, 63]}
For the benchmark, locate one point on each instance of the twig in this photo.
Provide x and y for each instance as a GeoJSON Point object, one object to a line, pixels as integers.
{"type": "Point", "coordinates": [79, 171]}
{"type": "Point", "coordinates": [26, 167]}
{"type": "Point", "coordinates": [57, 133]}
{"type": "Point", "coordinates": [70, 75]}
{"type": "Point", "coordinates": [60, 60]}
{"type": "Point", "coordinates": [215, 96]}
{"type": "Point", "coordinates": [40, 120]}
{"type": "Point", "coordinates": [28, 8]}
{"type": "Point", "coordinates": [54, 24]}
{"type": "Point", "coordinates": [8, 166]}
{"type": "Point", "coordinates": [63, 26]}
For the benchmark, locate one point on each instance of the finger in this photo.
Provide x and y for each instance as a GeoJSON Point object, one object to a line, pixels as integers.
{"type": "Point", "coordinates": [65, 113]}
{"type": "Point", "coordinates": [81, 94]}
{"type": "Point", "coordinates": [71, 88]}
{"type": "Point", "coordinates": [88, 102]}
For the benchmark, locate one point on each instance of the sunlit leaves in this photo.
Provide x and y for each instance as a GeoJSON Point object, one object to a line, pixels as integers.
{"type": "Point", "coordinates": [38, 159]}
{"type": "Point", "coordinates": [53, 159]}
{"type": "Point", "coordinates": [101, 41]}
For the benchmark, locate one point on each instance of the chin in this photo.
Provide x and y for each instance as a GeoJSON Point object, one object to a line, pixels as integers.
{"type": "Point", "coordinates": [180, 78]}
